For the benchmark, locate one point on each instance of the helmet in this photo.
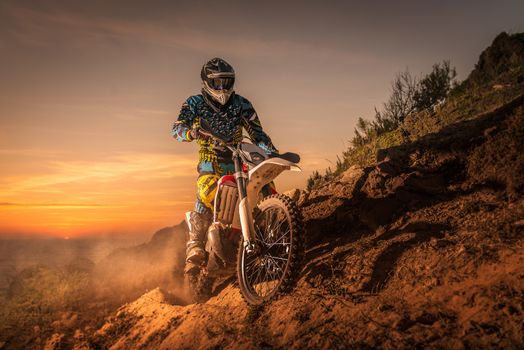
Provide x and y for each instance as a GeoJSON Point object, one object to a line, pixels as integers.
{"type": "Point", "coordinates": [218, 78]}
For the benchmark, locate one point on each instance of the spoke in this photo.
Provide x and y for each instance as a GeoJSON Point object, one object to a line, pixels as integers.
{"type": "Point", "coordinates": [269, 268]}
{"type": "Point", "coordinates": [260, 234]}
{"type": "Point", "coordinates": [277, 274]}
{"type": "Point", "coordinates": [279, 222]}
{"type": "Point", "coordinates": [274, 258]}
{"type": "Point", "coordinates": [249, 276]}
{"type": "Point", "coordinates": [278, 240]}
{"type": "Point", "coordinates": [254, 283]}
{"type": "Point", "coordinates": [284, 220]}
{"type": "Point", "coordinates": [248, 259]}
{"type": "Point", "coordinates": [272, 224]}
{"type": "Point", "coordinates": [259, 216]}
{"type": "Point", "coordinates": [270, 276]}
{"type": "Point", "coordinates": [250, 262]}
{"type": "Point", "coordinates": [261, 281]}
{"type": "Point", "coordinates": [277, 257]}
{"type": "Point", "coordinates": [265, 273]}
{"type": "Point", "coordinates": [267, 217]}
{"type": "Point", "coordinates": [249, 266]}
{"type": "Point", "coordinates": [273, 217]}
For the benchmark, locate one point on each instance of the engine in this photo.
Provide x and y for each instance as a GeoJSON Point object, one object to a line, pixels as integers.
{"type": "Point", "coordinates": [226, 199]}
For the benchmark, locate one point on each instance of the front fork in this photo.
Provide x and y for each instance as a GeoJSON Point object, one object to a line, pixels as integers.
{"type": "Point", "coordinates": [244, 208]}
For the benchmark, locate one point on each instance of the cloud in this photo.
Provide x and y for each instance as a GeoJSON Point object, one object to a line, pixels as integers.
{"type": "Point", "coordinates": [32, 152]}
{"type": "Point", "coordinates": [122, 192]}
{"type": "Point", "coordinates": [120, 168]}
{"type": "Point", "coordinates": [141, 114]}
{"type": "Point", "coordinates": [54, 205]}
{"type": "Point", "coordinates": [55, 28]}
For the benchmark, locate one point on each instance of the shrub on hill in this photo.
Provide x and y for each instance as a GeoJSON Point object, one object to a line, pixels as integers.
{"type": "Point", "coordinates": [417, 107]}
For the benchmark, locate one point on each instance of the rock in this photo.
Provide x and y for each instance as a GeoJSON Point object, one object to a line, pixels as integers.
{"type": "Point", "coordinates": [352, 175]}
{"type": "Point", "coordinates": [518, 223]}
{"type": "Point", "coordinates": [388, 168]}
{"type": "Point", "coordinates": [55, 342]}
{"type": "Point", "coordinates": [78, 334]}
{"type": "Point", "coordinates": [505, 53]}
{"type": "Point", "coordinates": [375, 184]}
{"type": "Point", "coordinates": [389, 154]}
{"type": "Point", "coordinates": [69, 319]}
{"type": "Point", "coordinates": [377, 212]}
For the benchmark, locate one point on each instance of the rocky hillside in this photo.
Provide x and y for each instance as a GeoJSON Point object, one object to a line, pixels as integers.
{"type": "Point", "coordinates": [424, 248]}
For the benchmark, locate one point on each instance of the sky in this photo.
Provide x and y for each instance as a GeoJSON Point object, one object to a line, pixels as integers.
{"type": "Point", "coordinates": [89, 91]}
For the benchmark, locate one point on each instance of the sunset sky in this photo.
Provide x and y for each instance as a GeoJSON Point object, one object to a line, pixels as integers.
{"type": "Point", "coordinates": [89, 91]}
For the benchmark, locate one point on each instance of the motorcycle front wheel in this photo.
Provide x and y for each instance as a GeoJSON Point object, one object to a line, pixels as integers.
{"type": "Point", "coordinates": [273, 268]}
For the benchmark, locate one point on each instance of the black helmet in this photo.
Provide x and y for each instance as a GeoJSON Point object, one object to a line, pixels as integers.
{"type": "Point", "coordinates": [218, 78]}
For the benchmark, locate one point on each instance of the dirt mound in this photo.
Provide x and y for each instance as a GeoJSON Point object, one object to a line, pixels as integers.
{"type": "Point", "coordinates": [424, 249]}
{"type": "Point", "coordinates": [482, 152]}
{"type": "Point", "coordinates": [154, 322]}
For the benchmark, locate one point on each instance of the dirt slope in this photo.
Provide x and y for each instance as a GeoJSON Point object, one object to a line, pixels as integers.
{"type": "Point", "coordinates": [424, 249]}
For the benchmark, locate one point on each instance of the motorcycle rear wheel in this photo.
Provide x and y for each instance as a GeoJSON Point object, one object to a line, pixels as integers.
{"type": "Point", "coordinates": [273, 270]}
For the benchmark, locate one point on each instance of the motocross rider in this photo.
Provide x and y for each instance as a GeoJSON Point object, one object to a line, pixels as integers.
{"type": "Point", "coordinates": [227, 113]}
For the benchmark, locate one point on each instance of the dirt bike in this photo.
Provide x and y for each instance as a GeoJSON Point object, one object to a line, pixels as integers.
{"type": "Point", "coordinates": [260, 235]}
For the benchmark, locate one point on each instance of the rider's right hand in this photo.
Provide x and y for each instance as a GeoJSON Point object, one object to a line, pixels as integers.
{"type": "Point", "coordinates": [197, 135]}
{"type": "Point", "coordinates": [193, 132]}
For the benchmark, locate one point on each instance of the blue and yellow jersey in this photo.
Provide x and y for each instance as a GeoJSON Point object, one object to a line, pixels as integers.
{"type": "Point", "coordinates": [237, 115]}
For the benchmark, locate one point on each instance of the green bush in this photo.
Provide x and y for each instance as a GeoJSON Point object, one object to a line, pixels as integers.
{"type": "Point", "coordinates": [416, 108]}
{"type": "Point", "coordinates": [407, 96]}
{"type": "Point", "coordinates": [434, 87]}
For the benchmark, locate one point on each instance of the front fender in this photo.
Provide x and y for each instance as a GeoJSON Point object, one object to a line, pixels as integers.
{"type": "Point", "coordinates": [264, 173]}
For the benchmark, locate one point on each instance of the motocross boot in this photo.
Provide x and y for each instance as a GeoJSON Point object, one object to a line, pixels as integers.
{"type": "Point", "coordinates": [195, 248]}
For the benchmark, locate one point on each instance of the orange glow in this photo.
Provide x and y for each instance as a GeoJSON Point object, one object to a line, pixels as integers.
{"type": "Point", "coordinates": [131, 193]}
{"type": "Point", "coordinates": [135, 193]}
{"type": "Point", "coordinates": [89, 91]}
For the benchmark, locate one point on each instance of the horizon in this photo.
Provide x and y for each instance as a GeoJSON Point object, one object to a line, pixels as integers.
{"type": "Point", "coordinates": [89, 93]}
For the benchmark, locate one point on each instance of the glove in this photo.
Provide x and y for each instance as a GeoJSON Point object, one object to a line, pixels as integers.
{"type": "Point", "coordinates": [195, 134]}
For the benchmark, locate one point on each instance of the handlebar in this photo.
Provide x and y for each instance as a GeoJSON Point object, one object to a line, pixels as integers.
{"type": "Point", "coordinates": [217, 140]}
{"type": "Point", "coordinates": [206, 130]}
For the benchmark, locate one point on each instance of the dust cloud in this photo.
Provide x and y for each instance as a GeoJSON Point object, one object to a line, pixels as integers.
{"type": "Point", "coordinates": [50, 285]}
{"type": "Point", "coordinates": [129, 272]}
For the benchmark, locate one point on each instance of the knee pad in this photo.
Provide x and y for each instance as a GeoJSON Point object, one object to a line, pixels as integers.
{"type": "Point", "coordinates": [206, 189]}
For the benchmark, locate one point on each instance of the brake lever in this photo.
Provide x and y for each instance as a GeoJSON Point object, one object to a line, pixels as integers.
{"type": "Point", "coordinates": [205, 133]}
{"type": "Point", "coordinates": [197, 131]}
